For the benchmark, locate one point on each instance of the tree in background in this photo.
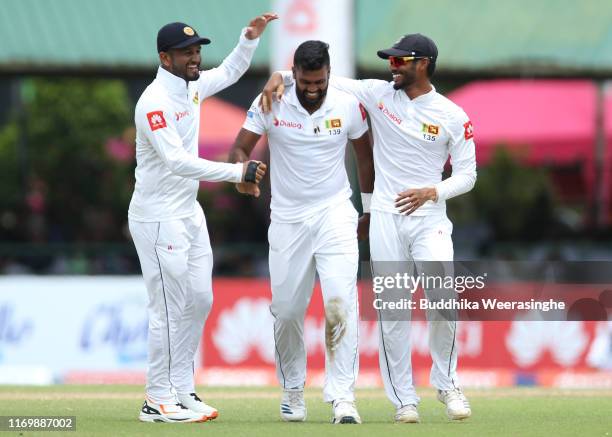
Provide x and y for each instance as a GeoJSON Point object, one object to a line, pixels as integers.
{"type": "Point", "coordinates": [516, 202]}
{"type": "Point", "coordinates": [74, 180]}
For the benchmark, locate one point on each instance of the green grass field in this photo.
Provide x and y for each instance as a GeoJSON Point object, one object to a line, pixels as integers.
{"type": "Point", "coordinates": [113, 410]}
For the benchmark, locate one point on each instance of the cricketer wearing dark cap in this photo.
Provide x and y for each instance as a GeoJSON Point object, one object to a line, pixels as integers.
{"type": "Point", "coordinates": [177, 261]}
{"type": "Point", "coordinates": [404, 56]}
{"type": "Point", "coordinates": [178, 45]}
{"type": "Point", "coordinates": [414, 44]}
{"type": "Point", "coordinates": [177, 36]}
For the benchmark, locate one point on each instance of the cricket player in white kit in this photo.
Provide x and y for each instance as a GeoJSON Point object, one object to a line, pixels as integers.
{"type": "Point", "coordinates": [166, 221]}
{"type": "Point", "coordinates": [314, 225]}
{"type": "Point", "coordinates": [415, 130]}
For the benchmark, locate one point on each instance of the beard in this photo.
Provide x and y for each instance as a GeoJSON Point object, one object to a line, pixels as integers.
{"type": "Point", "coordinates": [194, 76]}
{"type": "Point", "coordinates": [407, 78]}
{"type": "Point", "coordinates": [404, 82]}
{"type": "Point", "coordinates": [185, 73]}
{"type": "Point", "coordinates": [399, 85]}
{"type": "Point", "coordinates": [189, 76]}
{"type": "Point", "coordinates": [308, 102]}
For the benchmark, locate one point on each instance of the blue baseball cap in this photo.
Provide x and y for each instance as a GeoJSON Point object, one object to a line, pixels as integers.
{"type": "Point", "coordinates": [178, 35]}
{"type": "Point", "coordinates": [414, 44]}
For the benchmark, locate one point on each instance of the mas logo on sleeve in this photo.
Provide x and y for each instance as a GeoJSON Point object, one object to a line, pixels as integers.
{"type": "Point", "coordinates": [156, 120]}
{"type": "Point", "coordinates": [468, 130]}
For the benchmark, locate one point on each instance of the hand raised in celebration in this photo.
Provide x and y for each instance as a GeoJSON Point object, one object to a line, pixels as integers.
{"type": "Point", "coordinates": [258, 24]}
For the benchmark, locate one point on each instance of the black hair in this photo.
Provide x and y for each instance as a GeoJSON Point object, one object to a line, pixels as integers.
{"type": "Point", "coordinates": [431, 67]}
{"type": "Point", "coordinates": [311, 55]}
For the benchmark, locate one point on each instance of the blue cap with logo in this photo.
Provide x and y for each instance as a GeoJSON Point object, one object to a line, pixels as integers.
{"type": "Point", "coordinates": [177, 36]}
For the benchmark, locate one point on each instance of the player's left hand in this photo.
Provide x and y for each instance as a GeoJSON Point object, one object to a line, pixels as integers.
{"type": "Point", "coordinates": [363, 227]}
{"type": "Point", "coordinates": [258, 25]}
{"type": "Point", "coordinates": [409, 201]}
{"type": "Point", "coordinates": [260, 171]}
{"type": "Point", "coordinates": [248, 188]}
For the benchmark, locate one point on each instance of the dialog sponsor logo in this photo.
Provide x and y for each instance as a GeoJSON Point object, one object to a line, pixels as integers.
{"type": "Point", "coordinates": [286, 123]}
{"type": "Point", "coordinates": [389, 114]}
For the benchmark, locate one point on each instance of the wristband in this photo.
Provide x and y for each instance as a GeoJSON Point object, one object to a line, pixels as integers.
{"type": "Point", "coordinates": [366, 200]}
{"type": "Point", "coordinates": [251, 171]}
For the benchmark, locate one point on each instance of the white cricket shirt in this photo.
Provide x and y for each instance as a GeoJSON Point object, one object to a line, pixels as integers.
{"type": "Point", "coordinates": [307, 170]}
{"type": "Point", "coordinates": [167, 121]}
{"type": "Point", "coordinates": [412, 141]}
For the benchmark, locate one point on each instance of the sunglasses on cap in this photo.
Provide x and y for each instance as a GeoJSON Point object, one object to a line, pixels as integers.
{"type": "Point", "coordinates": [398, 61]}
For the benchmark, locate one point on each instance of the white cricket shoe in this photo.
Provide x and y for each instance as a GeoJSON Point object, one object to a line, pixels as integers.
{"type": "Point", "coordinates": [407, 414]}
{"type": "Point", "coordinates": [169, 413]}
{"type": "Point", "coordinates": [194, 403]}
{"type": "Point", "coordinates": [293, 407]}
{"type": "Point", "coordinates": [345, 412]}
{"type": "Point", "coordinates": [457, 405]}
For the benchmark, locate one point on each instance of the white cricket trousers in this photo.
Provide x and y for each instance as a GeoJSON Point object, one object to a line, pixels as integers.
{"type": "Point", "coordinates": [176, 262]}
{"type": "Point", "coordinates": [327, 244]}
{"type": "Point", "coordinates": [395, 237]}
